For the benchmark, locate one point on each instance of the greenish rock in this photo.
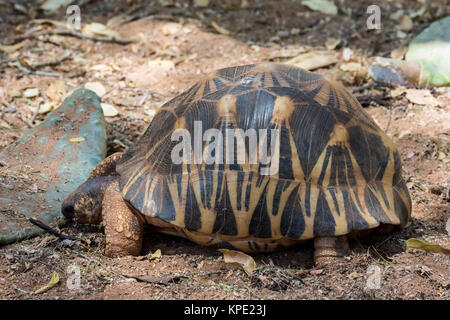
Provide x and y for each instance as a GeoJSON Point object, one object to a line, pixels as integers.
{"type": "Point", "coordinates": [38, 171]}
{"type": "Point", "coordinates": [431, 49]}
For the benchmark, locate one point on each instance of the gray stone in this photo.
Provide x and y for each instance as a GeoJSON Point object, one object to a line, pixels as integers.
{"type": "Point", "coordinates": [431, 49]}
{"type": "Point", "coordinates": [44, 165]}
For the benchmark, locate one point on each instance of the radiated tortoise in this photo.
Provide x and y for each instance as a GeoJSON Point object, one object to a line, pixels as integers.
{"type": "Point", "coordinates": [254, 157]}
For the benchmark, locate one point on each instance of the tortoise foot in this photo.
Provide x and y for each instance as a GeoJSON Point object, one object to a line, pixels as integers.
{"type": "Point", "coordinates": [123, 228]}
{"type": "Point", "coordinates": [330, 250]}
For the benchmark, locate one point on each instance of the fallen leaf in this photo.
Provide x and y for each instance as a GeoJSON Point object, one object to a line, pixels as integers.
{"type": "Point", "coordinates": [46, 107]}
{"type": "Point", "coordinates": [56, 90]}
{"type": "Point", "coordinates": [332, 43]}
{"type": "Point", "coordinates": [406, 23]}
{"type": "Point", "coordinates": [97, 29]}
{"type": "Point", "coordinates": [12, 48]}
{"type": "Point", "coordinates": [109, 110]}
{"type": "Point", "coordinates": [219, 29]}
{"type": "Point", "coordinates": [399, 53]}
{"type": "Point", "coordinates": [13, 93]}
{"type": "Point", "coordinates": [414, 243]}
{"type": "Point", "coordinates": [324, 6]}
{"type": "Point", "coordinates": [351, 67]}
{"type": "Point", "coordinates": [314, 59]}
{"type": "Point", "coordinates": [97, 87]}
{"type": "Point", "coordinates": [156, 255]}
{"type": "Point", "coordinates": [54, 5]}
{"type": "Point", "coordinates": [201, 3]}
{"type": "Point", "coordinates": [31, 93]}
{"type": "Point", "coordinates": [53, 282]}
{"type": "Point", "coordinates": [78, 139]}
{"type": "Point", "coordinates": [421, 96]}
{"type": "Point", "coordinates": [240, 259]}
{"type": "Point", "coordinates": [397, 92]}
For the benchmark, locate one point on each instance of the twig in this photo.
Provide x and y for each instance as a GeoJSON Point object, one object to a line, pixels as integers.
{"type": "Point", "coordinates": [364, 87]}
{"type": "Point", "coordinates": [163, 282]}
{"type": "Point", "coordinates": [52, 63]}
{"type": "Point", "coordinates": [36, 72]}
{"type": "Point", "coordinates": [52, 231]}
{"type": "Point", "coordinates": [76, 34]}
{"type": "Point", "coordinates": [46, 74]}
{"type": "Point", "coordinates": [7, 61]}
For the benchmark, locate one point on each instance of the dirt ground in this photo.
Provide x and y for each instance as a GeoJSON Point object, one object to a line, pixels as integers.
{"type": "Point", "coordinates": [175, 44]}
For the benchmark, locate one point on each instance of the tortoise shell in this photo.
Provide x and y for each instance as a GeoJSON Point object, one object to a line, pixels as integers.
{"type": "Point", "coordinates": [337, 171]}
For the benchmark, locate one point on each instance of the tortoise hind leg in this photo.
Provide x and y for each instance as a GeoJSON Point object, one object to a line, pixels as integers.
{"type": "Point", "coordinates": [123, 228]}
{"type": "Point", "coordinates": [330, 249]}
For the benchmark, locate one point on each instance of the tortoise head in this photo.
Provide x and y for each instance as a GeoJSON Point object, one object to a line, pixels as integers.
{"type": "Point", "coordinates": [85, 203]}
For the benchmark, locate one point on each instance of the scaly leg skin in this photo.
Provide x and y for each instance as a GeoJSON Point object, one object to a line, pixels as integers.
{"type": "Point", "coordinates": [330, 249]}
{"type": "Point", "coordinates": [123, 228]}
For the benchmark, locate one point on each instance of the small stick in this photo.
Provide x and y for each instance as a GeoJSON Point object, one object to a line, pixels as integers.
{"type": "Point", "coordinates": [52, 231]}
{"type": "Point", "coordinates": [46, 74]}
{"type": "Point", "coordinates": [72, 33]}
{"type": "Point", "coordinates": [52, 63]}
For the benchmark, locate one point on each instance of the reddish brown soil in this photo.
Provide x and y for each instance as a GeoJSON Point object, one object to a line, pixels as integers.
{"type": "Point", "coordinates": [136, 83]}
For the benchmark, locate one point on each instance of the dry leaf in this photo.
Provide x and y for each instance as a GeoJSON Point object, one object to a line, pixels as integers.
{"type": "Point", "coordinates": [406, 23]}
{"type": "Point", "coordinates": [332, 43]}
{"type": "Point", "coordinates": [313, 60]}
{"type": "Point", "coordinates": [31, 93]}
{"type": "Point", "coordinates": [156, 255]}
{"type": "Point", "coordinates": [53, 282]}
{"type": "Point", "coordinates": [397, 92]}
{"type": "Point", "coordinates": [219, 29]}
{"type": "Point", "coordinates": [324, 6]}
{"type": "Point", "coordinates": [421, 96]}
{"type": "Point", "coordinates": [56, 91]}
{"type": "Point", "coordinates": [78, 139]}
{"type": "Point", "coordinates": [352, 67]}
{"type": "Point", "coordinates": [109, 110]}
{"type": "Point", "coordinates": [399, 53]}
{"type": "Point", "coordinates": [97, 29]}
{"type": "Point", "coordinates": [54, 5]}
{"type": "Point", "coordinates": [97, 87]}
{"type": "Point", "coordinates": [46, 107]}
{"type": "Point", "coordinates": [414, 243]}
{"type": "Point", "coordinates": [201, 3]}
{"type": "Point", "coordinates": [240, 259]}
{"type": "Point", "coordinates": [12, 48]}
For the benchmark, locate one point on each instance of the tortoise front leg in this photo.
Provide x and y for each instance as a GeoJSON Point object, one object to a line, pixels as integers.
{"type": "Point", "coordinates": [123, 228]}
{"type": "Point", "coordinates": [330, 249]}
